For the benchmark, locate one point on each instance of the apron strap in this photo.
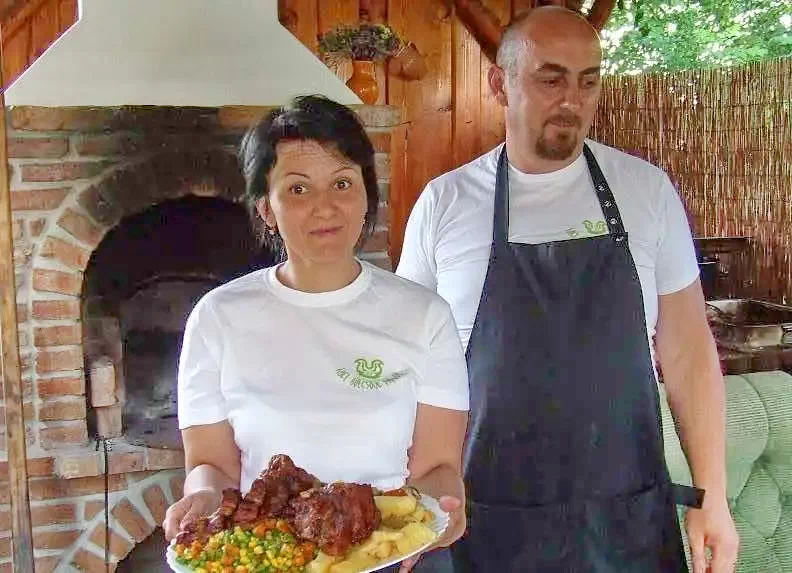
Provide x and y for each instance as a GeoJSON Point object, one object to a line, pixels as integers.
{"type": "Point", "coordinates": [500, 221]}
{"type": "Point", "coordinates": [687, 495]}
{"type": "Point", "coordinates": [604, 195]}
{"type": "Point", "coordinates": [500, 228]}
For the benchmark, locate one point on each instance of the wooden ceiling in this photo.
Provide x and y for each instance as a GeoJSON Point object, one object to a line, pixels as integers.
{"type": "Point", "coordinates": [486, 28]}
{"type": "Point", "coordinates": [28, 27]}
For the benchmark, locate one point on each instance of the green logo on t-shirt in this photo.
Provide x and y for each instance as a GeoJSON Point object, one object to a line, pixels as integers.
{"type": "Point", "coordinates": [592, 229]}
{"type": "Point", "coordinates": [369, 374]}
{"type": "Point", "coordinates": [371, 370]}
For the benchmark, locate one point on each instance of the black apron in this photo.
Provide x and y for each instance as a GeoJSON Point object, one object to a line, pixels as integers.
{"type": "Point", "coordinates": [564, 461]}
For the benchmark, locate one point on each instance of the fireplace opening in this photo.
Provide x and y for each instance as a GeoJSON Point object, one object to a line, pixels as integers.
{"type": "Point", "coordinates": [140, 285]}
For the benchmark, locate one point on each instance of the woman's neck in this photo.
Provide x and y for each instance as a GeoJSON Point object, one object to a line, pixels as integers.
{"type": "Point", "coordinates": [318, 277]}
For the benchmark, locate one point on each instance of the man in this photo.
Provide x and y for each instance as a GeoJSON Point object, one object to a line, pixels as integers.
{"type": "Point", "coordinates": [562, 258]}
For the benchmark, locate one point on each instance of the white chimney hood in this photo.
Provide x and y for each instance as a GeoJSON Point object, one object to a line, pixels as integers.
{"type": "Point", "coordinates": [175, 53]}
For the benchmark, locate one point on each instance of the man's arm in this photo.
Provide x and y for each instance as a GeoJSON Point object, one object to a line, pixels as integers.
{"type": "Point", "coordinates": [696, 396]}
{"type": "Point", "coordinates": [694, 383]}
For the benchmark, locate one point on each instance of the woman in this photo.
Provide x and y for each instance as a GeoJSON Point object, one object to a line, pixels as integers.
{"type": "Point", "coordinates": [356, 374]}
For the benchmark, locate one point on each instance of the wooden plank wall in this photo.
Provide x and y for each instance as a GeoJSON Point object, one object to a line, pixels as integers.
{"type": "Point", "coordinates": [30, 30]}
{"type": "Point", "coordinates": [450, 117]}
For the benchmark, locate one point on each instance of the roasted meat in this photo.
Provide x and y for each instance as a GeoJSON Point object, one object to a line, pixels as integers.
{"type": "Point", "coordinates": [217, 522]}
{"type": "Point", "coordinates": [336, 516]}
{"type": "Point", "coordinates": [194, 530]}
{"type": "Point", "coordinates": [281, 481]}
{"type": "Point", "coordinates": [231, 499]}
{"type": "Point", "coordinates": [247, 513]}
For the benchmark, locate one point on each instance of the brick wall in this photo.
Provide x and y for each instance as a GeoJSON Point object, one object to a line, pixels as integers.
{"type": "Point", "coordinates": [75, 173]}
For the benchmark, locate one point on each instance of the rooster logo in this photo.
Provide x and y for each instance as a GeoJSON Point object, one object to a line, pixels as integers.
{"type": "Point", "coordinates": [370, 370]}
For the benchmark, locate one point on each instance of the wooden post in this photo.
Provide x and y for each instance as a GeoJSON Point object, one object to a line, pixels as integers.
{"type": "Point", "coordinates": [22, 537]}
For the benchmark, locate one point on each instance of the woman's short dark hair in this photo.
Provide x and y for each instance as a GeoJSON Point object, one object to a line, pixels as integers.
{"type": "Point", "coordinates": [314, 118]}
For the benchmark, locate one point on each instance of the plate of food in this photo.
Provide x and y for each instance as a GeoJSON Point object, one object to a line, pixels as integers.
{"type": "Point", "coordinates": [290, 522]}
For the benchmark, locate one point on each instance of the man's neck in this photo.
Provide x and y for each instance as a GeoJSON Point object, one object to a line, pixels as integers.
{"type": "Point", "coordinates": [524, 158]}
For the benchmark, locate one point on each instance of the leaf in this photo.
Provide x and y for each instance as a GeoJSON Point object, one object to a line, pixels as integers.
{"type": "Point", "coordinates": [705, 33]}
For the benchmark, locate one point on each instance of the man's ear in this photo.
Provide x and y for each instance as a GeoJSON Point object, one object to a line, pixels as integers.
{"type": "Point", "coordinates": [497, 82]}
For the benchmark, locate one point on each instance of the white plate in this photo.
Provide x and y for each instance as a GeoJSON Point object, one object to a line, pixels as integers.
{"type": "Point", "coordinates": [438, 526]}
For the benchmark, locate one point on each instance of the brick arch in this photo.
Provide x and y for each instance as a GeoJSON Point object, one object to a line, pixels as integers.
{"type": "Point", "coordinates": [134, 517]}
{"type": "Point", "coordinates": [170, 175]}
{"type": "Point", "coordinates": [128, 190]}
{"type": "Point", "coordinates": [190, 166]}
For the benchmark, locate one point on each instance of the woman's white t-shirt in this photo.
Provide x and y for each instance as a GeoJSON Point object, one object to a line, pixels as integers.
{"type": "Point", "coordinates": [331, 379]}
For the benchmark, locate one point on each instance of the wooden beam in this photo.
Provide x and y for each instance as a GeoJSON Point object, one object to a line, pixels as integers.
{"type": "Point", "coordinates": [18, 17]}
{"type": "Point", "coordinates": [21, 533]}
{"type": "Point", "coordinates": [482, 24]}
{"type": "Point", "coordinates": [8, 7]}
{"type": "Point", "coordinates": [600, 12]}
{"type": "Point", "coordinates": [488, 30]}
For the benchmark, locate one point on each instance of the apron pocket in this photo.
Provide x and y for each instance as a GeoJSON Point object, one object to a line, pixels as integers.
{"type": "Point", "coordinates": [632, 533]}
{"type": "Point", "coordinates": [510, 539]}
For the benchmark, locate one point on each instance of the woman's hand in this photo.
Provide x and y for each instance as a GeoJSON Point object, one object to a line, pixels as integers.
{"type": "Point", "coordinates": [456, 528]}
{"type": "Point", "coordinates": [203, 502]}
{"type": "Point", "coordinates": [213, 463]}
{"type": "Point", "coordinates": [435, 468]}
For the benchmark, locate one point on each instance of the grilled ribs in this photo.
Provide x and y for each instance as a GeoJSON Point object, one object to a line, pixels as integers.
{"type": "Point", "coordinates": [336, 516]}
{"type": "Point", "coordinates": [281, 481]}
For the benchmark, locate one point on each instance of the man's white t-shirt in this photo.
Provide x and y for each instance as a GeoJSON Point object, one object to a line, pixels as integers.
{"type": "Point", "coordinates": [449, 233]}
{"type": "Point", "coordinates": [331, 379]}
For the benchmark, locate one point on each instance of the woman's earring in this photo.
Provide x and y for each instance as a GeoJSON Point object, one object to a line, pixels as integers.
{"type": "Point", "coordinates": [271, 230]}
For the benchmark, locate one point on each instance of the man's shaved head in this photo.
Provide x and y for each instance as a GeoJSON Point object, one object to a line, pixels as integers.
{"type": "Point", "coordinates": [548, 78]}
{"type": "Point", "coordinates": [540, 25]}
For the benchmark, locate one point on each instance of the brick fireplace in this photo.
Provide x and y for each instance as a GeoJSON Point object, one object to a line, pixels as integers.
{"type": "Point", "coordinates": [123, 218]}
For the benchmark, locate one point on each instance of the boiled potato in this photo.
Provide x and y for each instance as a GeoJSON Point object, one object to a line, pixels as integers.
{"type": "Point", "coordinates": [321, 563]}
{"type": "Point", "coordinates": [415, 535]}
{"type": "Point", "coordinates": [397, 506]}
{"type": "Point", "coordinates": [355, 561]}
{"type": "Point", "coordinates": [380, 544]}
{"type": "Point", "coordinates": [420, 515]}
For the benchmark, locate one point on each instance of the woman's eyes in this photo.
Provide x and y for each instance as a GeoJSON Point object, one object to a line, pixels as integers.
{"type": "Point", "coordinates": [343, 184]}
{"type": "Point", "coordinates": [339, 185]}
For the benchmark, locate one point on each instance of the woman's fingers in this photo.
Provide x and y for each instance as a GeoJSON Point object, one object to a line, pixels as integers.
{"type": "Point", "coordinates": [187, 509]}
{"type": "Point", "coordinates": [173, 518]}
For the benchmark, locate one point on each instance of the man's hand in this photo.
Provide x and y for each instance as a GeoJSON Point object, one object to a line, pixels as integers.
{"type": "Point", "coordinates": [712, 527]}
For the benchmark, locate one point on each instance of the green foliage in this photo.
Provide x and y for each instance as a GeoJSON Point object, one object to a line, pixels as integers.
{"type": "Point", "coordinates": [364, 42]}
{"type": "Point", "coordinates": [669, 35]}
